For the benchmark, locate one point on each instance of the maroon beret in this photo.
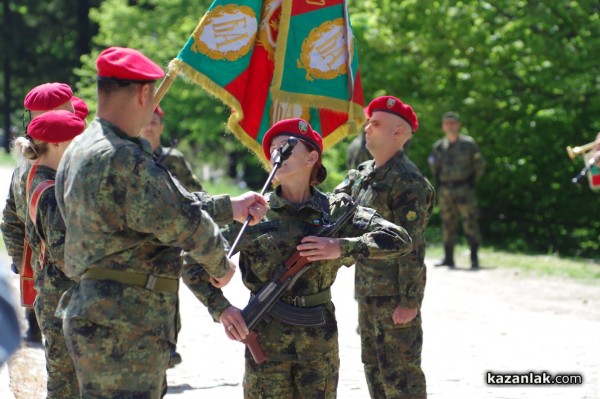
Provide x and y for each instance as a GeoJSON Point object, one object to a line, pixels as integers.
{"type": "Point", "coordinates": [158, 111]}
{"type": "Point", "coordinates": [55, 126]}
{"type": "Point", "coordinates": [80, 107]}
{"type": "Point", "coordinates": [47, 96]}
{"type": "Point", "coordinates": [394, 106]}
{"type": "Point", "coordinates": [123, 64]}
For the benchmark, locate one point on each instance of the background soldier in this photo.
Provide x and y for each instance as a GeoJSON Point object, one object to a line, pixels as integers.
{"type": "Point", "coordinates": [390, 292]}
{"type": "Point", "coordinates": [127, 221]}
{"type": "Point", "coordinates": [357, 151]}
{"type": "Point", "coordinates": [457, 164]}
{"type": "Point", "coordinates": [40, 99]}
{"type": "Point", "coordinates": [170, 157]}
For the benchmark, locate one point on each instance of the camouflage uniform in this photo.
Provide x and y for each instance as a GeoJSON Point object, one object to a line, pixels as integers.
{"type": "Point", "coordinates": [127, 219]}
{"type": "Point", "coordinates": [51, 284]}
{"type": "Point", "coordinates": [172, 159]}
{"type": "Point", "coordinates": [457, 166]}
{"type": "Point", "coordinates": [303, 362]}
{"type": "Point", "coordinates": [357, 152]}
{"type": "Point", "coordinates": [13, 231]}
{"type": "Point", "coordinates": [391, 353]}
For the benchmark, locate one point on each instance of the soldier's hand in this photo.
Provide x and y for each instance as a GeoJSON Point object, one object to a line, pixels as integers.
{"type": "Point", "coordinates": [249, 203]}
{"type": "Point", "coordinates": [221, 282]}
{"type": "Point", "coordinates": [234, 324]}
{"type": "Point", "coordinates": [318, 248]}
{"type": "Point", "coordinates": [404, 315]}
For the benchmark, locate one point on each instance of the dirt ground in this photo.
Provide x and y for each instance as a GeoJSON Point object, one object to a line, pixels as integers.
{"type": "Point", "coordinates": [492, 320]}
{"type": "Point", "coordinates": [495, 320]}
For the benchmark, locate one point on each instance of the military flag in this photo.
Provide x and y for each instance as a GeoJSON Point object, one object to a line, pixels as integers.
{"type": "Point", "coordinates": [276, 59]}
{"type": "Point", "coordinates": [593, 172]}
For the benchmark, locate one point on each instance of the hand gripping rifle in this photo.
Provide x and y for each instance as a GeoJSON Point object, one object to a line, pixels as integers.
{"type": "Point", "coordinates": [287, 274]}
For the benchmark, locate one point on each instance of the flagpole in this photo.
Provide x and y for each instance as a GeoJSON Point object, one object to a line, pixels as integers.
{"type": "Point", "coordinates": [165, 84]}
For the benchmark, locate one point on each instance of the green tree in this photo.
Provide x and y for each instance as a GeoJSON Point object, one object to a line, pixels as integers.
{"type": "Point", "coordinates": [524, 76]}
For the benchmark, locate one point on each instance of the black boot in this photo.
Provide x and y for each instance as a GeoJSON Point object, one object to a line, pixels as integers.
{"type": "Point", "coordinates": [33, 334]}
{"type": "Point", "coordinates": [448, 256]}
{"type": "Point", "coordinates": [474, 258]}
{"type": "Point", "coordinates": [175, 359]}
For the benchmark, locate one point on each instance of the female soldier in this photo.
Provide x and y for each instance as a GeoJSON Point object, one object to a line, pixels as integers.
{"type": "Point", "coordinates": [48, 135]}
{"type": "Point", "coordinates": [303, 361]}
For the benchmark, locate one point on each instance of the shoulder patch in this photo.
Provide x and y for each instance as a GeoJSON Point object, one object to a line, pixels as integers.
{"type": "Point", "coordinates": [410, 216]}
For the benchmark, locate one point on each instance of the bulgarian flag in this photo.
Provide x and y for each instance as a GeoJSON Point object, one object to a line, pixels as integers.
{"type": "Point", "coordinates": [277, 59]}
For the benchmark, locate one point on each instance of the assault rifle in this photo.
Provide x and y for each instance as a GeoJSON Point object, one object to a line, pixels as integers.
{"type": "Point", "coordinates": [287, 274]}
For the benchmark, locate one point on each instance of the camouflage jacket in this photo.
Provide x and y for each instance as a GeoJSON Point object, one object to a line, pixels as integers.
{"type": "Point", "coordinates": [49, 229]}
{"type": "Point", "coordinates": [400, 193]}
{"type": "Point", "coordinates": [172, 159]}
{"type": "Point", "coordinates": [459, 162]}
{"type": "Point", "coordinates": [124, 212]}
{"type": "Point", "coordinates": [13, 215]}
{"type": "Point", "coordinates": [266, 246]}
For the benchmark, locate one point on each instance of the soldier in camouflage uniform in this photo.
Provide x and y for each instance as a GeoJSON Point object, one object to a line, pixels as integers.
{"type": "Point", "coordinates": [127, 221]}
{"type": "Point", "coordinates": [40, 99]}
{"type": "Point", "coordinates": [170, 157]}
{"type": "Point", "coordinates": [390, 291]}
{"type": "Point", "coordinates": [48, 137]}
{"type": "Point", "coordinates": [457, 164]}
{"type": "Point", "coordinates": [173, 160]}
{"type": "Point", "coordinates": [357, 152]}
{"type": "Point", "coordinates": [303, 361]}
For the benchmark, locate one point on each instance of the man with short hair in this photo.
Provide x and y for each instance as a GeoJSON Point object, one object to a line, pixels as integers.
{"type": "Point", "coordinates": [127, 221]}
{"type": "Point", "coordinates": [390, 292]}
{"type": "Point", "coordinates": [457, 165]}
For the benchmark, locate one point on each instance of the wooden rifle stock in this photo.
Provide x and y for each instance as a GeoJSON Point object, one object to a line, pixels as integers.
{"type": "Point", "coordinates": [263, 301]}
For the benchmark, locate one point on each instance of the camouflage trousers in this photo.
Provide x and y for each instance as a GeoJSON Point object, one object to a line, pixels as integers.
{"type": "Point", "coordinates": [114, 364]}
{"type": "Point", "coordinates": [62, 380]}
{"type": "Point", "coordinates": [391, 354]}
{"type": "Point", "coordinates": [303, 362]}
{"type": "Point", "coordinates": [459, 202]}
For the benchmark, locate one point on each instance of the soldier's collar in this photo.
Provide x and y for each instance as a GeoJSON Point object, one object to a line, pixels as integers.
{"type": "Point", "coordinates": [381, 171]}
{"type": "Point", "coordinates": [144, 144]}
{"type": "Point", "coordinates": [276, 201]}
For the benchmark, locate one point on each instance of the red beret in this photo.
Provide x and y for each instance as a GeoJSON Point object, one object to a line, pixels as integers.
{"type": "Point", "coordinates": [292, 127]}
{"type": "Point", "coordinates": [80, 107]}
{"type": "Point", "coordinates": [55, 126]}
{"type": "Point", "coordinates": [47, 96]}
{"type": "Point", "coordinates": [394, 106]}
{"type": "Point", "coordinates": [158, 111]}
{"type": "Point", "coordinates": [301, 129]}
{"type": "Point", "coordinates": [123, 64]}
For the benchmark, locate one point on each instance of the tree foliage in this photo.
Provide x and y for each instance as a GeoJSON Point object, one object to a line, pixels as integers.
{"type": "Point", "coordinates": [522, 74]}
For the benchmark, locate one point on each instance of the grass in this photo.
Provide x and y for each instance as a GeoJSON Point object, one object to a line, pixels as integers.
{"type": "Point", "coordinates": [7, 159]}
{"type": "Point", "coordinates": [585, 270]}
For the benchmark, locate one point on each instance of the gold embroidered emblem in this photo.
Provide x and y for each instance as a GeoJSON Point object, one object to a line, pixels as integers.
{"type": "Point", "coordinates": [226, 32]}
{"type": "Point", "coordinates": [325, 51]}
{"type": "Point", "coordinates": [282, 110]}
{"type": "Point", "coordinates": [410, 216]}
{"type": "Point", "coordinates": [269, 26]}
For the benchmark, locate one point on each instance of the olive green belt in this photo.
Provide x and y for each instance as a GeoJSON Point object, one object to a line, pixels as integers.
{"type": "Point", "coordinates": [308, 301]}
{"type": "Point", "coordinates": [147, 281]}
